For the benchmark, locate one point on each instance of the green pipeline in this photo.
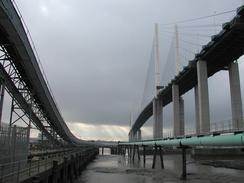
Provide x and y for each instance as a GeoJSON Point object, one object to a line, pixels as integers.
{"type": "Point", "coordinates": [226, 139]}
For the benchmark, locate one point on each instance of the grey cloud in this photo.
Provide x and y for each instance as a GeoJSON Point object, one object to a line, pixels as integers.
{"type": "Point", "coordinates": [96, 53]}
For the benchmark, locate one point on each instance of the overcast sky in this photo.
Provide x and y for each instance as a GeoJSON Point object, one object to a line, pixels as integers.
{"type": "Point", "coordinates": [95, 54]}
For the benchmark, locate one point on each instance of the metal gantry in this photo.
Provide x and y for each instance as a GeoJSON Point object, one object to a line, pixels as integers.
{"type": "Point", "coordinates": [25, 82]}
{"type": "Point", "coordinates": [24, 107]}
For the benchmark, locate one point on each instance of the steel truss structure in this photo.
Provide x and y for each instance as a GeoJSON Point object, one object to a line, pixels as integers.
{"type": "Point", "coordinates": [24, 106]}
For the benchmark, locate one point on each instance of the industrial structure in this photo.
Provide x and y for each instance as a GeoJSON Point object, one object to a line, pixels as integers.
{"type": "Point", "coordinates": [33, 104]}
{"type": "Point", "coordinates": [221, 53]}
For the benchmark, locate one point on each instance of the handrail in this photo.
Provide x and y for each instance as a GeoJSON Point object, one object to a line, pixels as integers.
{"type": "Point", "coordinates": [32, 167]}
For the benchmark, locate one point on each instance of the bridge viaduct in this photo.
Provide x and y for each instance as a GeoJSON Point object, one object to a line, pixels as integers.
{"type": "Point", "coordinates": [221, 53]}
{"type": "Point", "coordinates": [22, 78]}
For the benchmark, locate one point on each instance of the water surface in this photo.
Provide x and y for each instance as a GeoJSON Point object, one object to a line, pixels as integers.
{"type": "Point", "coordinates": [117, 169]}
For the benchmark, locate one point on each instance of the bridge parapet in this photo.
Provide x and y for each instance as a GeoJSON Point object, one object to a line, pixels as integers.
{"type": "Point", "coordinates": [63, 166]}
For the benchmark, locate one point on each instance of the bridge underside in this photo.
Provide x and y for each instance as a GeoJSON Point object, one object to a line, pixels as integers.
{"type": "Point", "coordinates": [21, 75]}
{"type": "Point", "coordinates": [223, 49]}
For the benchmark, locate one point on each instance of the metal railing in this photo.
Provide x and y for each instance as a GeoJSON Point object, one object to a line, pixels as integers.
{"type": "Point", "coordinates": [224, 126]}
{"type": "Point", "coordinates": [24, 169]}
{"type": "Point", "coordinates": [20, 170]}
{"type": "Point", "coordinates": [218, 126]}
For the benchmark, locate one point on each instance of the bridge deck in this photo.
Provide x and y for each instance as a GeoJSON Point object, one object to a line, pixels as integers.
{"type": "Point", "coordinates": [14, 39]}
{"type": "Point", "coordinates": [224, 48]}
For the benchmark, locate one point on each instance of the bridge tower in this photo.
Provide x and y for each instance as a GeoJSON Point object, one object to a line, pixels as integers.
{"type": "Point", "coordinates": [131, 133]}
{"type": "Point", "coordinates": [235, 93]}
{"type": "Point", "coordinates": [202, 98]}
{"type": "Point", "coordinates": [157, 103]}
{"type": "Point", "coordinates": [178, 102]}
{"type": "Point", "coordinates": [138, 135]}
{"type": "Point", "coordinates": [197, 120]}
{"type": "Point", "coordinates": [134, 136]}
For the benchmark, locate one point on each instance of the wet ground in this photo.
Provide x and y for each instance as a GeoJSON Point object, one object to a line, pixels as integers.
{"type": "Point", "coordinates": [117, 169]}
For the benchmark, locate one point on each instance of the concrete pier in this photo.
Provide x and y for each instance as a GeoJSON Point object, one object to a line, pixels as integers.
{"type": "Point", "coordinates": [182, 116]}
{"type": "Point", "coordinates": [235, 93]}
{"type": "Point", "coordinates": [203, 98]}
{"type": "Point", "coordinates": [134, 136]}
{"type": "Point", "coordinates": [178, 111]}
{"type": "Point", "coordinates": [157, 118]}
{"type": "Point", "coordinates": [197, 121]}
{"type": "Point", "coordinates": [139, 134]}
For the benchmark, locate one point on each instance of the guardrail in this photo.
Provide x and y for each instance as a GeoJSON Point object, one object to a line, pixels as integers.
{"type": "Point", "coordinates": [14, 172]}
{"type": "Point", "coordinates": [218, 126]}
{"type": "Point", "coordinates": [223, 126]}
{"type": "Point", "coordinates": [21, 170]}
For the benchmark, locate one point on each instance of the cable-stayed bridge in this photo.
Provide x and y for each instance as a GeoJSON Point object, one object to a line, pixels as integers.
{"type": "Point", "coordinates": [33, 103]}
{"type": "Point", "coordinates": [210, 44]}
{"type": "Point", "coordinates": [186, 68]}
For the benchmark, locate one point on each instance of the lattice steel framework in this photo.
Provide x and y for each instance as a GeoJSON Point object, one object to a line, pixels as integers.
{"type": "Point", "coordinates": [24, 106]}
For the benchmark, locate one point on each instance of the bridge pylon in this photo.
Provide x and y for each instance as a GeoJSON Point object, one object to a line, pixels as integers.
{"type": "Point", "coordinates": [178, 112]}
{"type": "Point", "coordinates": [203, 96]}
{"type": "Point", "coordinates": [235, 93]}
{"type": "Point", "coordinates": [178, 102]}
{"type": "Point", "coordinates": [157, 103]}
{"type": "Point", "coordinates": [157, 118]}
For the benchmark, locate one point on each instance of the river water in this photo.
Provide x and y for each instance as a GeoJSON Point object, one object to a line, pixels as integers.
{"type": "Point", "coordinates": [117, 169]}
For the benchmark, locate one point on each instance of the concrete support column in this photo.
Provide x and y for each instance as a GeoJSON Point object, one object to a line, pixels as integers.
{"type": "Point", "coordinates": [129, 136]}
{"type": "Point", "coordinates": [235, 93]}
{"type": "Point", "coordinates": [134, 136]}
{"type": "Point", "coordinates": [197, 125]}
{"type": "Point", "coordinates": [157, 118]}
{"type": "Point", "coordinates": [182, 117]}
{"type": "Point", "coordinates": [203, 98]}
{"type": "Point", "coordinates": [178, 112]}
{"type": "Point", "coordinates": [139, 135]}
